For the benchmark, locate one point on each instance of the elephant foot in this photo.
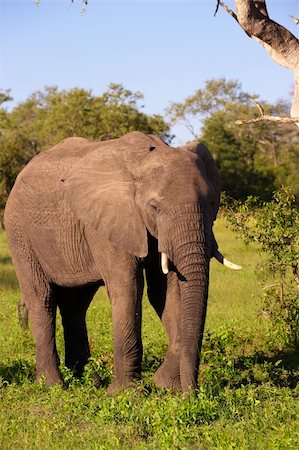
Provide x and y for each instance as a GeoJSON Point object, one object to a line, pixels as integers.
{"type": "Point", "coordinates": [165, 379]}
{"type": "Point", "coordinates": [96, 380]}
{"type": "Point", "coordinates": [47, 369]}
{"type": "Point", "coordinates": [77, 369]}
{"type": "Point", "coordinates": [50, 379]}
{"type": "Point", "coordinates": [118, 386]}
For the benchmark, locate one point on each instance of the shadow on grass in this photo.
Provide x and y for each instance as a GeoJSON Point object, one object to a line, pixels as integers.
{"type": "Point", "coordinates": [17, 372]}
{"type": "Point", "coordinates": [281, 368]}
{"type": "Point", "coordinates": [5, 260]}
{"type": "Point", "coordinates": [223, 365]}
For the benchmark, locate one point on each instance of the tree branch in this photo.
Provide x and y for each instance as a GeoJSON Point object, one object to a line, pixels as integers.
{"type": "Point", "coordinates": [259, 106]}
{"type": "Point", "coordinates": [261, 7]}
{"type": "Point", "coordinates": [189, 126]}
{"type": "Point", "coordinates": [266, 117]}
{"type": "Point", "coordinates": [281, 45]}
{"type": "Point", "coordinates": [295, 20]}
{"type": "Point", "coordinates": [230, 12]}
{"type": "Point", "coordinates": [270, 286]}
{"type": "Point", "coordinates": [217, 7]}
{"type": "Point", "coordinates": [279, 42]}
{"type": "Point", "coordinates": [270, 119]}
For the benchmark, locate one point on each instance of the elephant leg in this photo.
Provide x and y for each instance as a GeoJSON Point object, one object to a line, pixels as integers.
{"type": "Point", "coordinates": [38, 297]}
{"type": "Point", "coordinates": [163, 294]}
{"type": "Point", "coordinates": [43, 321]}
{"type": "Point", "coordinates": [73, 304]}
{"type": "Point", "coordinates": [126, 299]}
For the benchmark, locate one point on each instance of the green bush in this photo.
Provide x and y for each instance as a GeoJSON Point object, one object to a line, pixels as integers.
{"type": "Point", "coordinates": [274, 226]}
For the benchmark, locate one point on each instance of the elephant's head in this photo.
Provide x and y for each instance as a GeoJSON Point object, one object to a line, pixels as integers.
{"type": "Point", "coordinates": [137, 184]}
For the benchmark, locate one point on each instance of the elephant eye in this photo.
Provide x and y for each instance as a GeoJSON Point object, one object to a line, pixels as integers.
{"type": "Point", "coordinates": [154, 207]}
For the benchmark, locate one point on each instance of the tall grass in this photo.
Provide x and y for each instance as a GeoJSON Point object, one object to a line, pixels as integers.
{"type": "Point", "coordinates": [248, 395]}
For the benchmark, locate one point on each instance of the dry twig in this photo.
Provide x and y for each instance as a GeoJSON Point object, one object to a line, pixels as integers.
{"type": "Point", "coordinates": [295, 19]}
{"type": "Point", "coordinates": [230, 12]}
{"type": "Point", "coordinates": [266, 117]}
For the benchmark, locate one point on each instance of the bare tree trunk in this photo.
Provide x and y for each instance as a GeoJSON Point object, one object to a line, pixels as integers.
{"type": "Point", "coordinates": [295, 104]}
{"type": "Point", "coordinates": [281, 45]}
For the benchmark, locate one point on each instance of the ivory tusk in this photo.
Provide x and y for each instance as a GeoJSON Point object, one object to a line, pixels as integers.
{"type": "Point", "coordinates": [225, 261]}
{"type": "Point", "coordinates": [164, 263]}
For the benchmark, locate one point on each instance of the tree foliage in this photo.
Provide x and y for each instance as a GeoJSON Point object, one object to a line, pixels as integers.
{"type": "Point", "coordinates": [52, 115]}
{"type": "Point", "coordinates": [274, 227]}
{"type": "Point", "coordinates": [254, 159]}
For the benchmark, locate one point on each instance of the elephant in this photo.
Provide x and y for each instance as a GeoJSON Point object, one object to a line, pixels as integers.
{"type": "Point", "coordinates": [86, 214]}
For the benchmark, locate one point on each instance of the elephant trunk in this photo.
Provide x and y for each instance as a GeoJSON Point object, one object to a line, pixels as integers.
{"type": "Point", "coordinates": [194, 294]}
{"type": "Point", "coordinates": [190, 253]}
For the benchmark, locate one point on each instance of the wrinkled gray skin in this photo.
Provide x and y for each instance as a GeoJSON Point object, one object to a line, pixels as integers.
{"type": "Point", "coordinates": [84, 214]}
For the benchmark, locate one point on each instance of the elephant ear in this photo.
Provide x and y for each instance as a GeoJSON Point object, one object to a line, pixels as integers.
{"type": "Point", "coordinates": [211, 170]}
{"type": "Point", "coordinates": [137, 145]}
{"type": "Point", "coordinates": [101, 193]}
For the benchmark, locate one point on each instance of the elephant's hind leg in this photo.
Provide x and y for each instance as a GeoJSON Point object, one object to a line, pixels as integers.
{"type": "Point", "coordinates": [42, 313]}
{"type": "Point", "coordinates": [73, 304]}
{"type": "Point", "coordinates": [37, 297]}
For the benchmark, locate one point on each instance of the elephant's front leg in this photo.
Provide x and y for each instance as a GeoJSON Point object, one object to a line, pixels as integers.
{"type": "Point", "coordinates": [125, 294]}
{"type": "Point", "coordinates": [166, 302]}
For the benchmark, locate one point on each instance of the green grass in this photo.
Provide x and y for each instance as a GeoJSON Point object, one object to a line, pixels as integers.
{"type": "Point", "coordinates": [248, 395]}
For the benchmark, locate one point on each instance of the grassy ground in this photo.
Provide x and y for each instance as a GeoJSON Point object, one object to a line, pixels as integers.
{"type": "Point", "coordinates": [248, 397]}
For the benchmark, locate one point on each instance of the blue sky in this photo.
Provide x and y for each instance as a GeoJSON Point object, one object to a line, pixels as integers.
{"type": "Point", "coordinates": [165, 49]}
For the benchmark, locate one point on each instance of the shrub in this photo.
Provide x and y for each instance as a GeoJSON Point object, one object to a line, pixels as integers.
{"type": "Point", "coordinates": [274, 226]}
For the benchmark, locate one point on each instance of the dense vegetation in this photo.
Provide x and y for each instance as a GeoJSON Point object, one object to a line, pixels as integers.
{"type": "Point", "coordinates": [253, 159]}
{"type": "Point", "coordinates": [247, 397]}
{"type": "Point", "coordinates": [274, 227]}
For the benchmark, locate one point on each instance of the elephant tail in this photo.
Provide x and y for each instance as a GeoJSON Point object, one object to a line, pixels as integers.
{"type": "Point", "coordinates": [23, 314]}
